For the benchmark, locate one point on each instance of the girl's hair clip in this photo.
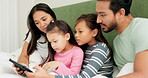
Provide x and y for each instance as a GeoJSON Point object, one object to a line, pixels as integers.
{"type": "Point", "coordinates": [52, 21]}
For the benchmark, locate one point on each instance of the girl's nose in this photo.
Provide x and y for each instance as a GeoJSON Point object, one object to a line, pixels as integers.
{"type": "Point", "coordinates": [53, 45]}
{"type": "Point", "coordinates": [76, 34]}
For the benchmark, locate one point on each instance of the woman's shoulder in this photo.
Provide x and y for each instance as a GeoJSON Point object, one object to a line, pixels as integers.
{"type": "Point", "coordinates": [28, 38]}
{"type": "Point", "coordinates": [42, 39]}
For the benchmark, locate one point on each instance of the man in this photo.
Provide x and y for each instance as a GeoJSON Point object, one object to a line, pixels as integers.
{"type": "Point", "coordinates": [131, 43]}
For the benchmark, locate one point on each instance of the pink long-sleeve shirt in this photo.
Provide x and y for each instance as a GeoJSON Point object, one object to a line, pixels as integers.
{"type": "Point", "coordinates": [71, 61]}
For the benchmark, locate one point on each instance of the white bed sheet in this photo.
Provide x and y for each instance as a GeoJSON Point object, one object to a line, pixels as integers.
{"type": "Point", "coordinates": [6, 68]}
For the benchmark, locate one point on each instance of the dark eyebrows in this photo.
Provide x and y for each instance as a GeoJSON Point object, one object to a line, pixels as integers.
{"type": "Point", "coordinates": [35, 21]}
{"type": "Point", "coordinates": [43, 17]}
{"type": "Point", "coordinates": [100, 12]}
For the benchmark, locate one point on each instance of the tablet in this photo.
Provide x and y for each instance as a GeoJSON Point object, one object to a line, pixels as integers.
{"type": "Point", "coordinates": [22, 67]}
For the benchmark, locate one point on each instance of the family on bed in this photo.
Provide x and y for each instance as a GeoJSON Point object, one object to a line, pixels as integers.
{"type": "Point", "coordinates": [51, 49]}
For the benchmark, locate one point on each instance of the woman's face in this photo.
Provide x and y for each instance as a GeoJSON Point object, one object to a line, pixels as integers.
{"type": "Point", "coordinates": [41, 20]}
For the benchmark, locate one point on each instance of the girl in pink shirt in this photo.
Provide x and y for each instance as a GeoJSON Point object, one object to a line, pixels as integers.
{"type": "Point", "coordinates": [65, 56]}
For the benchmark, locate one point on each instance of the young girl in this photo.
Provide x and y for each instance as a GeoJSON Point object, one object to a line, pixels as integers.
{"type": "Point", "coordinates": [65, 56]}
{"type": "Point", "coordinates": [98, 61]}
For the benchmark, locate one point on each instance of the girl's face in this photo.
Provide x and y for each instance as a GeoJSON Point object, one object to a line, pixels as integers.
{"type": "Point", "coordinates": [84, 35]}
{"type": "Point", "coordinates": [41, 20]}
{"type": "Point", "coordinates": [58, 41]}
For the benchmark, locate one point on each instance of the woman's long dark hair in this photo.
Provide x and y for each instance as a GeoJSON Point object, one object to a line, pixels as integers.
{"type": "Point", "coordinates": [35, 32]}
{"type": "Point", "coordinates": [62, 27]}
{"type": "Point", "coordinates": [90, 20]}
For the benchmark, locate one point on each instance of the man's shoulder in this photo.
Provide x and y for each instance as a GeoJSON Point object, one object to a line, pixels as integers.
{"type": "Point", "coordinates": [139, 23]}
{"type": "Point", "coordinates": [139, 19]}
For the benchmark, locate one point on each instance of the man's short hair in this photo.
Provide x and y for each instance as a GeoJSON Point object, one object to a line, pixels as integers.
{"type": "Point", "coordinates": [116, 5]}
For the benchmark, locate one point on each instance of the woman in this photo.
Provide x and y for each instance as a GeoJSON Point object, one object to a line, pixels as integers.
{"type": "Point", "coordinates": [35, 44]}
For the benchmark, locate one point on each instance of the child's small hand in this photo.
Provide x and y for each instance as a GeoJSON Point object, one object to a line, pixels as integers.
{"type": "Point", "coordinates": [39, 73]}
{"type": "Point", "coordinates": [51, 65]}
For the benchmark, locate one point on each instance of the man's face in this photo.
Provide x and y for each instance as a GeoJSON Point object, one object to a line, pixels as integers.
{"type": "Point", "coordinates": [106, 17]}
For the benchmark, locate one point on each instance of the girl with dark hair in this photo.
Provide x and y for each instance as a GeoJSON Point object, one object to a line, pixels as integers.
{"type": "Point", "coordinates": [64, 54]}
{"type": "Point", "coordinates": [97, 62]}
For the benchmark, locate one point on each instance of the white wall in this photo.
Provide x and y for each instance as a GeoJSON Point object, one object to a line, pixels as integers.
{"type": "Point", "coordinates": [60, 3]}
{"type": "Point", "coordinates": [8, 25]}
{"type": "Point", "coordinates": [23, 11]}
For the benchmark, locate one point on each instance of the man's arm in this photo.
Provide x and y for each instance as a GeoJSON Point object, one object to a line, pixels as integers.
{"type": "Point", "coordinates": [140, 66]}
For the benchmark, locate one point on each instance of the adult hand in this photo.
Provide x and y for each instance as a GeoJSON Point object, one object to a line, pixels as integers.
{"type": "Point", "coordinates": [19, 71]}
{"type": "Point", "coordinates": [51, 65]}
{"type": "Point", "coordinates": [39, 73]}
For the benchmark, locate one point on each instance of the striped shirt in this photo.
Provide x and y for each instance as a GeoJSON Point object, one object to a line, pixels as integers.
{"type": "Point", "coordinates": [97, 61]}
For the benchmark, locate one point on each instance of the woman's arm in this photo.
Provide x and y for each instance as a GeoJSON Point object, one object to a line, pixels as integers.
{"type": "Point", "coordinates": [24, 58]}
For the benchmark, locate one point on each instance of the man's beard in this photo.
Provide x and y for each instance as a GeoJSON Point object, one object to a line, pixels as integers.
{"type": "Point", "coordinates": [112, 26]}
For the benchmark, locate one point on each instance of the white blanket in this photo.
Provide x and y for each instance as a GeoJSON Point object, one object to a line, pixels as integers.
{"type": "Point", "coordinates": [6, 68]}
{"type": "Point", "coordinates": [127, 69]}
